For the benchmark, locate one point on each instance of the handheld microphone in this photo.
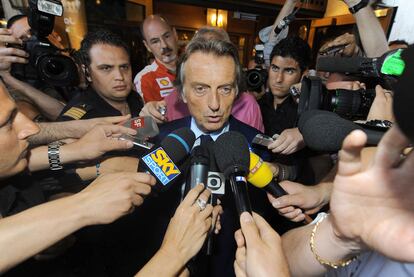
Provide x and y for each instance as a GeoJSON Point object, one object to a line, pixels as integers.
{"type": "Point", "coordinates": [390, 65]}
{"type": "Point", "coordinates": [162, 161]}
{"type": "Point", "coordinates": [199, 165]}
{"type": "Point", "coordinates": [145, 126]}
{"type": "Point", "coordinates": [231, 152]}
{"type": "Point", "coordinates": [261, 177]}
{"type": "Point", "coordinates": [325, 131]}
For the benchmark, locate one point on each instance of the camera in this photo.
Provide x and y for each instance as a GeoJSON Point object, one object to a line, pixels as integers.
{"type": "Point", "coordinates": [46, 61]}
{"type": "Point", "coordinates": [257, 77]}
{"type": "Point", "coordinates": [349, 104]}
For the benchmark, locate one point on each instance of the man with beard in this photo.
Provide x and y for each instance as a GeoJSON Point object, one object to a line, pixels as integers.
{"type": "Point", "coordinates": [155, 81]}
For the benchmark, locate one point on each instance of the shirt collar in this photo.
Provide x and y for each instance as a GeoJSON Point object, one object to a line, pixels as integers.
{"type": "Point", "coordinates": [198, 133]}
{"type": "Point", "coordinates": [163, 67]}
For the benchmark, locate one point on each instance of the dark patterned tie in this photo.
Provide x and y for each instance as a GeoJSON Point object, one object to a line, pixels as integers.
{"type": "Point", "coordinates": [205, 139]}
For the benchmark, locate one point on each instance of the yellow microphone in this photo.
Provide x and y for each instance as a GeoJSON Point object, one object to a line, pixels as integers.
{"type": "Point", "coordinates": [261, 176]}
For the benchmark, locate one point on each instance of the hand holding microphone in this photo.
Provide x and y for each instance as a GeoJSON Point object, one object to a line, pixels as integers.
{"type": "Point", "coordinates": [232, 156]}
{"type": "Point", "coordinates": [259, 249]}
{"type": "Point", "coordinates": [261, 176]}
{"type": "Point", "coordinates": [300, 200]}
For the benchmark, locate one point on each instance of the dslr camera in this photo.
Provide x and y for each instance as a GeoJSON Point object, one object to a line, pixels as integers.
{"type": "Point", "coordinates": [46, 61]}
{"type": "Point", "coordinates": [349, 104]}
{"type": "Point", "coordinates": [257, 77]}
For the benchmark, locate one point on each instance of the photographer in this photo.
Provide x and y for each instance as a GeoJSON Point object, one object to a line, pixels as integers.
{"type": "Point", "coordinates": [289, 62]}
{"type": "Point", "coordinates": [310, 200]}
{"type": "Point", "coordinates": [19, 31]}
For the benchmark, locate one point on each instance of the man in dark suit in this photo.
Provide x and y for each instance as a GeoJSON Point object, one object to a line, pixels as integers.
{"type": "Point", "coordinates": [208, 78]}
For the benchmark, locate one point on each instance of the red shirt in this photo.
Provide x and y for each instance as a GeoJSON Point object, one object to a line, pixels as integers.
{"type": "Point", "coordinates": [154, 82]}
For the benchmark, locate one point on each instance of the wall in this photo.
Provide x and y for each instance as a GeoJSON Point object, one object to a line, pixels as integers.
{"type": "Point", "coordinates": [336, 7]}
{"type": "Point", "coordinates": [404, 22]}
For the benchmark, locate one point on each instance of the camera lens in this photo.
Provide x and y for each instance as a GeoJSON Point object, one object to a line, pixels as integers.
{"type": "Point", "coordinates": [54, 67]}
{"type": "Point", "coordinates": [351, 104]}
{"type": "Point", "coordinates": [256, 78]}
{"type": "Point", "coordinates": [57, 70]}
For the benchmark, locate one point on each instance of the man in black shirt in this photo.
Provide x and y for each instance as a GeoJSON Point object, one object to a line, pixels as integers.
{"type": "Point", "coordinates": [289, 62]}
{"type": "Point", "coordinates": [107, 68]}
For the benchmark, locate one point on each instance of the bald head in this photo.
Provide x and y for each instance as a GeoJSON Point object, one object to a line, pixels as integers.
{"type": "Point", "coordinates": [152, 21]}
{"type": "Point", "coordinates": [161, 40]}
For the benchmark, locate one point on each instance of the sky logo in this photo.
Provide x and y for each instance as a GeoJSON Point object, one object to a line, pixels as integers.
{"type": "Point", "coordinates": [161, 165]}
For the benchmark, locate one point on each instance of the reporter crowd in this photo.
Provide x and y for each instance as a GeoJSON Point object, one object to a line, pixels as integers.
{"type": "Point", "coordinates": [277, 180]}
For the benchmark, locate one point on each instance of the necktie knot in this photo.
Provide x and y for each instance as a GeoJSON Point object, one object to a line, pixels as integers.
{"type": "Point", "coordinates": [205, 139]}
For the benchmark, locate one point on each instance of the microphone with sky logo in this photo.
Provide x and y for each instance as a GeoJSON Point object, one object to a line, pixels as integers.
{"type": "Point", "coordinates": [162, 162]}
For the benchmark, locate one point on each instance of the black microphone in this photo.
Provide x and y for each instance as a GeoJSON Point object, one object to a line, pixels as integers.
{"type": "Point", "coordinates": [325, 131]}
{"type": "Point", "coordinates": [232, 154]}
{"type": "Point", "coordinates": [162, 161]}
{"type": "Point", "coordinates": [389, 66]}
{"type": "Point", "coordinates": [404, 97]}
{"type": "Point", "coordinates": [199, 166]}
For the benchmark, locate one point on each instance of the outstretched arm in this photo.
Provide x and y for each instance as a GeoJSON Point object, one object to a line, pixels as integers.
{"type": "Point", "coordinates": [372, 35]}
{"type": "Point", "coordinates": [48, 106]}
{"type": "Point", "coordinates": [29, 232]}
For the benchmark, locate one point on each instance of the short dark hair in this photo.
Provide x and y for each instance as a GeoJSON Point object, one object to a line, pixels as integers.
{"type": "Point", "coordinates": [14, 18]}
{"type": "Point", "coordinates": [219, 48]}
{"type": "Point", "coordinates": [101, 36]}
{"type": "Point", "coordinates": [293, 47]}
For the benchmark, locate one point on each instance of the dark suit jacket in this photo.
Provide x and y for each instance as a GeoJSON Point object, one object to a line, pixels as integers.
{"type": "Point", "coordinates": [221, 263]}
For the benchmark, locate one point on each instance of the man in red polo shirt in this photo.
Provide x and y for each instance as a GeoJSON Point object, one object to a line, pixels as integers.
{"type": "Point", "coordinates": [155, 81]}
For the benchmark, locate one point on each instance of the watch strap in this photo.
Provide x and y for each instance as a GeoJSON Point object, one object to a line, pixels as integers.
{"type": "Point", "coordinates": [360, 5]}
{"type": "Point", "coordinates": [53, 152]}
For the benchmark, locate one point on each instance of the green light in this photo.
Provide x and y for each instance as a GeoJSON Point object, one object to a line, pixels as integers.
{"type": "Point", "coordinates": [393, 64]}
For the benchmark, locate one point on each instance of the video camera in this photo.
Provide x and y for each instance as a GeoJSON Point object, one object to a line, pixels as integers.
{"type": "Point", "coordinates": [349, 104]}
{"type": "Point", "coordinates": [257, 77]}
{"type": "Point", "coordinates": [46, 61]}
{"type": "Point", "coordinates": [388, 68]}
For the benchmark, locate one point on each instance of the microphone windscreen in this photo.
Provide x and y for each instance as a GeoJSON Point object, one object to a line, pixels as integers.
{"type": "Point", "coordinates": [231, 151]}
{"type": "Point", "coordinates": [260, 174]}
{"type": "Point", "coordinates": [338, 64]}
{"type": "Point", "coordinates": [404, 96]}
{"type": "Point", "coordinates": [178, 144]}
{"type": "Point", "coordinates": [324, 131]}
{"type": "Point", "coordinates": [200, 155]}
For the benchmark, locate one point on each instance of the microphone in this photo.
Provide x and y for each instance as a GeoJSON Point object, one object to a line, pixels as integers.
{"type": "Point", "coordinates": [145, 126]}
{"type": "Point", "coordinates": [390, 65]}
{"type": "Point", "coordinates": [325, 131]}
{"type": "Point", "coordinates": [261, 177]}
{"type": "Point", "coordinates": [162, 161]}
{"type": "Point", "coordinates": [199, 166]}
{"type": "Point", "coordinates": [231, 152]}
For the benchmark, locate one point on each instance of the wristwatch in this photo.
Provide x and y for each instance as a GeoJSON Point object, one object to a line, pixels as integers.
{"type": "Point", "coordinates": [53, 155]}
{"type": "Point", "coordinates": [359, 6]}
